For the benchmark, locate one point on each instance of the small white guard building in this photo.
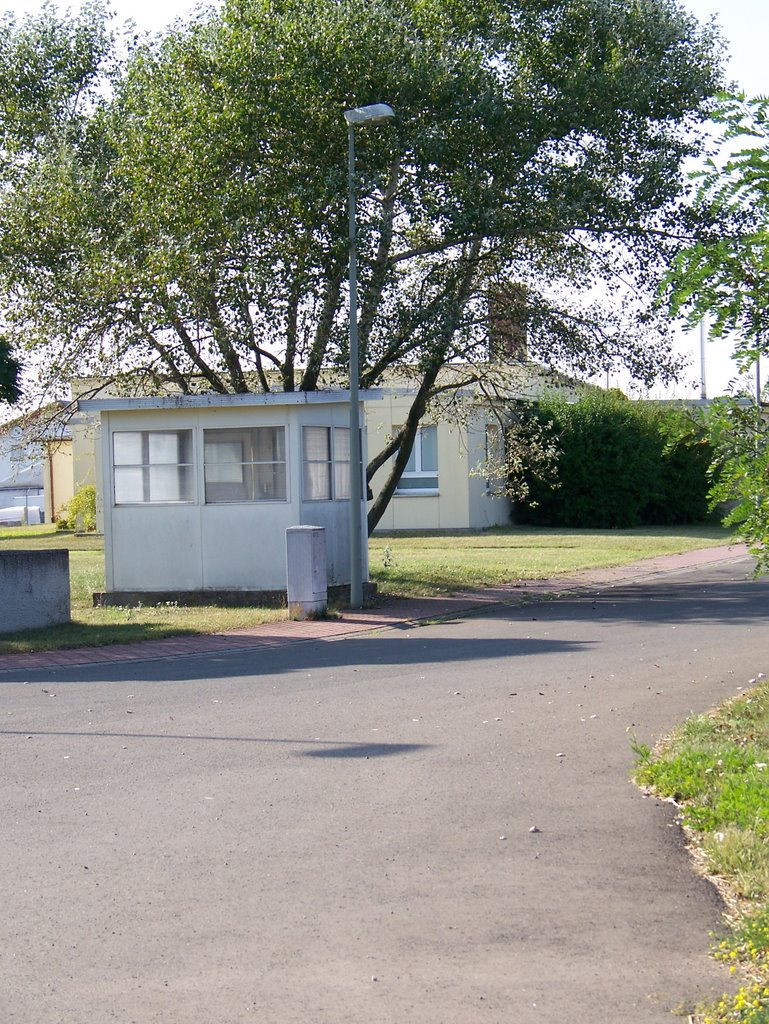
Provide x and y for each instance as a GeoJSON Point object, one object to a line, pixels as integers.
{"type": "Point", "coordinates": [198, 491]}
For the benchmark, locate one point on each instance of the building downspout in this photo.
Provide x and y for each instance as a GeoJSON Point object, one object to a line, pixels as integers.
{"type": "Point", "coordinates": [50, 483]}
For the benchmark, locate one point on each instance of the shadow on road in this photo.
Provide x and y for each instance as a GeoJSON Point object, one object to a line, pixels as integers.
{"type": "Point", "coordinates": [723, 594]}
{"type": "Point", "coordinates": [321, 748]}
{"type": "Point", "coordinates": [367, 651]}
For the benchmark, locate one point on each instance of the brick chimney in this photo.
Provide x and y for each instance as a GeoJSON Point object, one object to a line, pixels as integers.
{"type": "Point", "coordinates": [507, 322]}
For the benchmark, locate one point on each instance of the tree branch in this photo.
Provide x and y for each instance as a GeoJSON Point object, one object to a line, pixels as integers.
{"type": "Point", "coordinates": [323, 330]}
{"type": "Point", "coordinates": [189, 347]}
{"type": "Point", "coordinates": [380, 266]}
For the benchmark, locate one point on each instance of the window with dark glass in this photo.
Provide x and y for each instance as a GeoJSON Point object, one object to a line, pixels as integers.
{"type": "Point", "coordinates": [245, 464]}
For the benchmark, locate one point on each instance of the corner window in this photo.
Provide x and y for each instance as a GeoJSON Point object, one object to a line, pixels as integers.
{"type": "Point", "coordinates": [326, 463]}
{"type": "Point", "coordinates": [152, 466]}
{"type": "Point", "coordinates": [245, 464]}
{"type": "Point", "coordinates": [495, 460]}
{"type": "Point", "coordinates": [421, 473]}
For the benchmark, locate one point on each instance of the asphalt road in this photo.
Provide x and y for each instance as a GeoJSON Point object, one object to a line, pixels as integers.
{"type": "Point", "coordinates": [339, 832]}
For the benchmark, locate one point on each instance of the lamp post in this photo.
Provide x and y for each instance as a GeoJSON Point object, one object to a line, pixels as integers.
{"type": "Point", "coordinates": [376, 113]}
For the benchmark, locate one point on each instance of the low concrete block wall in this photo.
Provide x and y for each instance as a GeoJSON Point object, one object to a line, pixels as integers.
{"type": "Point", "coordinates": [34, 589]}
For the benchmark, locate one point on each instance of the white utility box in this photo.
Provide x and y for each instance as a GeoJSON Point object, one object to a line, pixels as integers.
{"type": "Point", "coordinates": [307, 580]}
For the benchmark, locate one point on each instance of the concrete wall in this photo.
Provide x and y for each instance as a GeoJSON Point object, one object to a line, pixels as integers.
{"type": "Point", "coordinates": [34, 589]}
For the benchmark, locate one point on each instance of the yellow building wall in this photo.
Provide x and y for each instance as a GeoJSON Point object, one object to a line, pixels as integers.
{"type": "Point", "coordinates": [58, 478]}
{"type": "Point", "coordinates": [69, 464]}
{"type": "Point", "coordinates": [461, 502]}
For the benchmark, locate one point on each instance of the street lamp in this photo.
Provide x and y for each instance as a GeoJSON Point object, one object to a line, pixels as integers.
{"type": "Point", "coordinates": [376, 113]}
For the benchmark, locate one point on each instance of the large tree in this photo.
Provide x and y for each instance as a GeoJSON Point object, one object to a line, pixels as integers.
{"type": "Point", "coordinates": [189, 226]}
{"type": "Point", "coordinates": [50, 71]}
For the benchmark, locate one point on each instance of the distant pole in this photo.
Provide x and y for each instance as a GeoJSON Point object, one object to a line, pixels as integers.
{"type": "Point", "coordinates": [703, 344]}
{"type": "Point", "coordinates": [758, 381]}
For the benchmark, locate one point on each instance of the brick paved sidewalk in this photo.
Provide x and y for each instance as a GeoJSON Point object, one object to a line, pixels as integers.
{"type": "Point", "coordinates": [387, 614]}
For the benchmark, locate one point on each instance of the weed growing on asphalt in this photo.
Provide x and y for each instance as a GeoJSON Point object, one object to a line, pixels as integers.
{"type": "Point", "coordinates": [716, 768]}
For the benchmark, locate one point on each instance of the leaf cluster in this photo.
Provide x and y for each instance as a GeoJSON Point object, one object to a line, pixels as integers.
{"type": "Point", "coordinates": [724, 275]}
{"type": "Point", "coordinates": [739, 437]}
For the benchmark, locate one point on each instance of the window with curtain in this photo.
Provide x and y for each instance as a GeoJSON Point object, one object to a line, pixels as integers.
{"type": "Point", "coordinates": [326, 463]}
{"type": "Point", "coordinates": [152, 466]}
{"type": "Point", "coordinates": [421, 473]}
{"type": "Point", "coordinates": [245, 464]}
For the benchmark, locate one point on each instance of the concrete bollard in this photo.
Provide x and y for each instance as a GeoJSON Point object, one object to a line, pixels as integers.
{"type": "Point", "coordinates": [306, 576]}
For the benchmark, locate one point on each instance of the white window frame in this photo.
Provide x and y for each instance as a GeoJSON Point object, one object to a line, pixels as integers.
{"type": "Point", "coordinates": [419, 472]}
{"type": "Point", "coordinates": [337, 466]}
{"type": "Point", "coordinates": [185, 470]}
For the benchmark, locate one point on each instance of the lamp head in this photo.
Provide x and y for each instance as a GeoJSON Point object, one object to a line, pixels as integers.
{"type": "Point", "coordinates": [375, 113]}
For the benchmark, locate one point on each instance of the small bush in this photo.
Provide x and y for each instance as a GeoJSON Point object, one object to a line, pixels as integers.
{"type": "Point", "coordinates": [80, 512]}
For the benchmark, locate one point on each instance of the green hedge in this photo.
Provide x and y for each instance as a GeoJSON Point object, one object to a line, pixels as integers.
{"type": "Point", "coordinates": [622, 464]}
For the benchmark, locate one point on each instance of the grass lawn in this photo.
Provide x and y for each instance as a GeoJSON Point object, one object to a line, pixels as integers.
{"type": "Point", "coordinates": [419, 564]}
{"type": "Point", "coordinates": [401, 565]}
{"type": "Point", "coordinates": [716, 767]}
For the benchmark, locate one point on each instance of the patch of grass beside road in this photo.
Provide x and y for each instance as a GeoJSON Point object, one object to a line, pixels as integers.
{"type": "Point", "coordinates": [716, 768]}
{"type": "Point", "coordinates": [423, 564]}
{"type": "Point", "coordinates": [401, 565]}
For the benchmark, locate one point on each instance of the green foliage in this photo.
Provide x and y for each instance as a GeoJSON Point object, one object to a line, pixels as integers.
{"type": "Point", "coordinates": [621, 464]}
{"type": "Point", "coordinates": [80, 512]}
{"type": "Point", "coordinates": [9, 374]}
{"type": "Point", "coordinates": [724, 276]}
{"type": "Point", "coordinates": [49, 72]}
{"type": "Point", "coordinates": [739, 436]}
{"type": "Point", "coordinates": [50, 77]}
{"type": "Point", "coordinates": [522, 452]}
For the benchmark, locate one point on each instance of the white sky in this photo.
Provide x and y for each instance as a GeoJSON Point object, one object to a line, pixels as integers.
{"type": "Point", "coordinates": [744, 24]}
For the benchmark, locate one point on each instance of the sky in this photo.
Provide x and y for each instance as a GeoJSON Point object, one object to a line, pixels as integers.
{"type": "Point", "coordinates": [745, 27]}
